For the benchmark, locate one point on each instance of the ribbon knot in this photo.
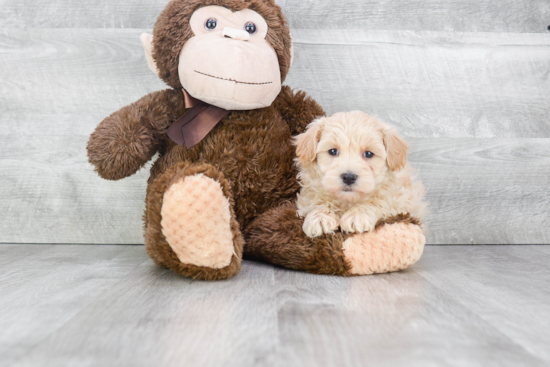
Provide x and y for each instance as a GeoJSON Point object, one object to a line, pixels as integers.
{"type": "Point", "coordinates": [199, 119]}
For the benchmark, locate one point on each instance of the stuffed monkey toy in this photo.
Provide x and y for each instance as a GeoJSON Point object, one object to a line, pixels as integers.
{"type": "Point", "coordinates": [224, 182]}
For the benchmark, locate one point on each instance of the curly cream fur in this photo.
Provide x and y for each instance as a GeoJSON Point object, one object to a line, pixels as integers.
{"type": "Point", "coordinates": [385, 186]}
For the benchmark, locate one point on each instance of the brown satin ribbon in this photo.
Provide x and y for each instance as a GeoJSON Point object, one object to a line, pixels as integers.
{"type": "Point", "coordinates": [196, 123]}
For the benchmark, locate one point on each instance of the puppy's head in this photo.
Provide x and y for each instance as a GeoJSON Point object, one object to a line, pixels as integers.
{"type": "Point", "coordinates": [350, 153]}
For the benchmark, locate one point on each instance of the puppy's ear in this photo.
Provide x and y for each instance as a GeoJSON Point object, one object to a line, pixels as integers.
{"type": "Point", "coordinates": [306, 143]}
{"type": "Point", "coordinates": [396, 149]}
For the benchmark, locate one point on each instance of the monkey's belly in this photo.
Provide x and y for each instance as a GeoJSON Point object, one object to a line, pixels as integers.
{"type": "Point", "coordinates": [263, 183]}
{"type": "Point", "coordinates": [254, 152]}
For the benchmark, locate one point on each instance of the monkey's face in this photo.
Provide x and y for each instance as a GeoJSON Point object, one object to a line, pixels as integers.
{"type": "Point", "coordinates": [228, 62]}
{"type": "Point", "coordinates": [224, 59]}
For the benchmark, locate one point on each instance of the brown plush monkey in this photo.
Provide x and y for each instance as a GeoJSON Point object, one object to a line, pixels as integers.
{"type": "Point", "coordinates": [224, 180]}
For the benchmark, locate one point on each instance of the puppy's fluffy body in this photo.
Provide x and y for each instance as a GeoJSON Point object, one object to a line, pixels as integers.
{"type": "Point", "coordinates": [354, 172]}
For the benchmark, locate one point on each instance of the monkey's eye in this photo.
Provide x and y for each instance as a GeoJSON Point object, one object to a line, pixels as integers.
{"type": "Point", "coordinates": [333, 152]}
{"type": "Point", "coordinates": [250, 27]}
{"type": "Point", "coordinates": [368, 154]}
{"type": "Point", "coordinates": [211, 24]}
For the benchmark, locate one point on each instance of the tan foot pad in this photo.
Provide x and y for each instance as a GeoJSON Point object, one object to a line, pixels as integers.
{"type": "Point", "coordinates": [392, 247]}
{"type": "Point", "coordinates": [196, 222]}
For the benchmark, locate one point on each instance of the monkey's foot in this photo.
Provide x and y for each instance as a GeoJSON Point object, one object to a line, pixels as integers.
{"type": "Point", "coordinates": [277, 237]}
{"type": "Point", "coordinates": [196, 222]}
{"type": "Point", "coordinates": [190, 224]}
{"type": "Point", "coordinates": [392, 247]}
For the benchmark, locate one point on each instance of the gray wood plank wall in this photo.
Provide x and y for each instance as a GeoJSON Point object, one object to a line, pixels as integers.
{"type": "Point", "coordinates": [465, 81]}
{"type": "Point", "coordinates": [427, 15]}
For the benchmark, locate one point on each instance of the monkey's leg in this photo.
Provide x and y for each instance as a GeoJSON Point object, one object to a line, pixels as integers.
{"type": "Point", "coordinates": [190, 223]}
{"type": "Point", "coordinates": [277, 237]}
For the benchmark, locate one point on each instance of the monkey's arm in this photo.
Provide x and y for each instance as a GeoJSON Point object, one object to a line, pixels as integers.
{"type": "Point", "coordinates": [297, 109]}
{"type": "Point", "coordinates": [123, 142]}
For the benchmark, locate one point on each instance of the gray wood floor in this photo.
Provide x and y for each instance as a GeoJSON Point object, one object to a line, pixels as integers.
{"type": "Point", "coordinates": [68, 305]}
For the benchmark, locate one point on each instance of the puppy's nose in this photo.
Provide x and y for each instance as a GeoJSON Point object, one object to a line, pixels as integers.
{"type": "Point", "coordinates": [349, 178]}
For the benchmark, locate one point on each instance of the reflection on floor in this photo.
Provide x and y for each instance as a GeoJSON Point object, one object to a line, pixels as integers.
{"type": "Point", "coordinates": [110, 305]}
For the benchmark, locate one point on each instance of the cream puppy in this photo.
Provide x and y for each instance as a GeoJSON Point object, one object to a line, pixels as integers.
{"type": "Point", "coordinates": [354, 172]}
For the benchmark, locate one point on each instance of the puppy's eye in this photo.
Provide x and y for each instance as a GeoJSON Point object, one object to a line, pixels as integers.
{"type": "Point", "coordinates": [250, 28]}
{"type": "Point", "coordinates": [368, 154]}
{"type": "Point", "coordinates": [333, 152]}
{"type": "Point", "coordinates": [211, 24]}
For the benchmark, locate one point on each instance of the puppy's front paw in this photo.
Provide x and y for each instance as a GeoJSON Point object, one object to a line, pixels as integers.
{"type": "Point", "coordinates": [355, 221]}
{"type": "Point", "coordinates": [319, 222]}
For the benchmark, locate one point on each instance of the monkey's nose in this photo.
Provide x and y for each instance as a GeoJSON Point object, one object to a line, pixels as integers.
{"type": "Point", "coordinates": [349, 178]}
{"type": "Point", "coordinates": [236, 34]}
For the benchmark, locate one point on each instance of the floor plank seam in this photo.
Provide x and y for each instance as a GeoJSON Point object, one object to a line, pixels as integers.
{"type": "Point", "coordinates": [480, 317]}
{"type": "Point", "coordinates": [68, 321]}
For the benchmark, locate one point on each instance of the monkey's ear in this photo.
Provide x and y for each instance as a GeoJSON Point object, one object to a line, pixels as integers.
{"type": "Point", "coordinates": [306, 143]}
{"type": "Point", "coordinates": [396, 149]}
{"type": "Point", "coordinates": [147, 42]}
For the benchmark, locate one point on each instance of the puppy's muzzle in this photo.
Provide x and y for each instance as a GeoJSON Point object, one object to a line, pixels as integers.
{"type": "Point", "coordinates": [349, 178]}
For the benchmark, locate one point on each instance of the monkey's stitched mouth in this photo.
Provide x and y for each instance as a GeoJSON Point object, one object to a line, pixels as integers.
{"type": "Point", "coordinates": [231, 80]}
